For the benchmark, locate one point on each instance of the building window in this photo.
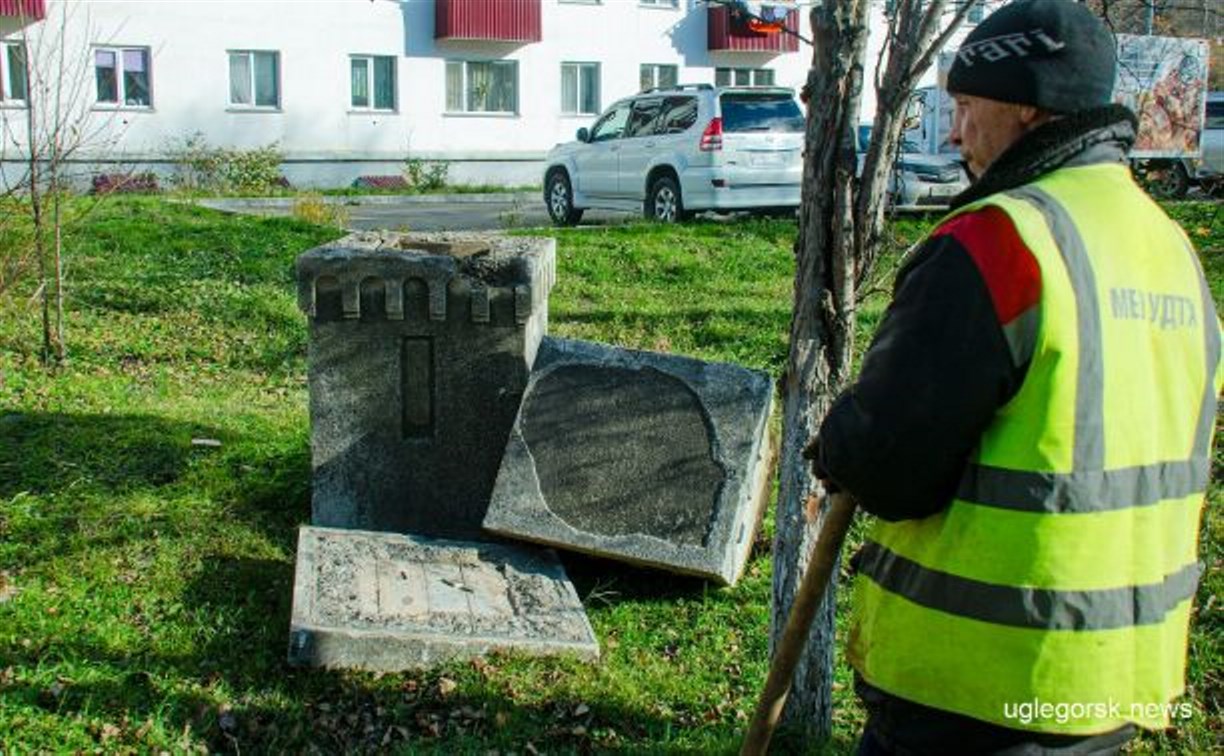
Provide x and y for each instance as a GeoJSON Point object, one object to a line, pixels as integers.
{"type": "Point", "coordinates": [743, 77]}
{"type": "Point", "coordinates": [254, 79]}
{"type": "Point", "coordinates": [580, 88]}
{"type": "Point", "coordinates": [13, 85]}
{"type": "Point", "coordinates": [373, 82]}
{"type": "Point", "coordinates": [481, 86]}
{"type": "Point", "coordinates": [656, 75]}
{"type": "Point", "coordinates": [122, 76]}
{"type": "Point", "coordinates": [660, 3]}
{"type": "Point", "coordinates": [976, 13]}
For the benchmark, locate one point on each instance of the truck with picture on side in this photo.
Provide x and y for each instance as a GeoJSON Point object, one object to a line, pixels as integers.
{"type": "Point", "coordinates": [1163, 80]}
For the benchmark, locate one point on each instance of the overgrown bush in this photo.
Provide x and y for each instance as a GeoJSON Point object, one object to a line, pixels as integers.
{"type": "Point", "coordinates": [124, 183]}
{"type": "Point", "coordinates": [313, 208]}
{"type": "Point", "coordinates": [426, 175]}
{"type": "Point", "coordinates": [201, 167]}
{"type": "Point", "coordinates": [252, 171]}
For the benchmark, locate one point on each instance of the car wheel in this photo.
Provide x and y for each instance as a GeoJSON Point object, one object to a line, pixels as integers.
{"type": "Point", "coordinates": [559, 199]}
{"type": "Point", "coordinates": [663, 202]}
{"type": "Point", "coordinates": [1167, 180]}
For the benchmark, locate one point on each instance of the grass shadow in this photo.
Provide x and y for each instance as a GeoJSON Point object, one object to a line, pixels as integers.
{"type": "Point", "coordinates": [53, 453]}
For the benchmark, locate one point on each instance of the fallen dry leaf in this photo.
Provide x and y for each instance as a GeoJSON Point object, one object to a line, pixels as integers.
{"type": "Point", "coordinates": [446, 686]}
{"type": "Point", "coordinates": [8, 591]}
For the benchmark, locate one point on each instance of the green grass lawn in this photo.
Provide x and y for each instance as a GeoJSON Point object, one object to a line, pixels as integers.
{"type": "Point", "coordinates": [145, 580]}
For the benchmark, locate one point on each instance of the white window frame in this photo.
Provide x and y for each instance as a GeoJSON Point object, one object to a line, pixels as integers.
{"type": "Point", "coordinates": [655, 69]}
{"type": "Point", "coordinates": [120, 102]}
{"type": "Point", "coordinates": [578, 95]}
{"type": "Point", "coordinates": [467, 105]}
{"type": "Point", "coordinates": [6, 96]}
{"type": "Point", "coordinates": [250, 55]}
{"type": "Point", "coordinates": [753, 75]}
{"type": "Point", "coordinates": [371, 70]}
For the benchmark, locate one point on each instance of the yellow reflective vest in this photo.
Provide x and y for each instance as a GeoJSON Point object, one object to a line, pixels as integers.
{"type": "Point", "coordinates": [1053, 593]}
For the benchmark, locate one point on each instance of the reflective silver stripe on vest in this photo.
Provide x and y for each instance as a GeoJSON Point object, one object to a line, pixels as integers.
{"type": "Point", "coordinates": [1021, 335]}
{"type": "Point", "coordinates": [1211, 325]}
{"type": "Point", "coordinates": [1088, 491]}
{"type": "Point", "coordinates": [1089, 451]}
{"type": "Point", "coordinates": [1033, 608]}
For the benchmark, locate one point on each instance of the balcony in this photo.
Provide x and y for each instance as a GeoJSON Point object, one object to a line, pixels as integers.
{"type": "Point", "coordinates": [729, 29]}
{"type": "Point", "coordinates": [487, 20]}
{"type": "Point", "coordinates": [29, 10]}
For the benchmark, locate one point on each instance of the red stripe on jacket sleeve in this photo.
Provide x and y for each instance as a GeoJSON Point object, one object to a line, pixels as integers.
{"type": "Point", "coordinates": [1008, 267]}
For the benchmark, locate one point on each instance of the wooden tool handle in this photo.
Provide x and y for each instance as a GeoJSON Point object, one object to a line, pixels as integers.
{"type": "Point", "coordinates": [798, 624]}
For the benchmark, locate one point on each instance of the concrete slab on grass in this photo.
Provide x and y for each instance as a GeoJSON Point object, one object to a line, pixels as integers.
{"type": "Point", "coordinates": [381, 601]}
{"type": "Point", "coordinates": [649, 458]}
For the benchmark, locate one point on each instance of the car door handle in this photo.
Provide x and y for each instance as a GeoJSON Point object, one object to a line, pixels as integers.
{"type": "Point", "coordinates": [650, 144]}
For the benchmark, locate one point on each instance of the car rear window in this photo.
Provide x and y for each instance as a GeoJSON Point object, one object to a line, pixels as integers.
{"type": "Point", "coordinates": [1215, 115]}
{"type": "Point", "coordinates": [760, 112]}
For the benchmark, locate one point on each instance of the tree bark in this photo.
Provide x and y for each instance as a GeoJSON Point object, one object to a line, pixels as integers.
{"type": "Point", "coordinates": [821, 337]}
{"type": "Point", "coordinates": [840, 224]}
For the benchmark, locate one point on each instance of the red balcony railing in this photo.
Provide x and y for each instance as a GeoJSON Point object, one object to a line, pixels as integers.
{"type": "Point", "coordinates": [28, 9]}
{"type": "Point", "coordinates": [729, 30]}
{"type": "Point", "coordinates": [493, 20]}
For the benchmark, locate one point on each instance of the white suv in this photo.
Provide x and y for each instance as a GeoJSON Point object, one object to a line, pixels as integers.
{"type": "Point", "coordinates": [675, 151]}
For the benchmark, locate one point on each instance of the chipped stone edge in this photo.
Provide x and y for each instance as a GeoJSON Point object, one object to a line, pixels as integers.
{"type": "Point", "coordinates": [539, 525]}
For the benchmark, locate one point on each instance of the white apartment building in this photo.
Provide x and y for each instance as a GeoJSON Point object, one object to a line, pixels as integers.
{"type": "Point", "coordinates": [352, 87]}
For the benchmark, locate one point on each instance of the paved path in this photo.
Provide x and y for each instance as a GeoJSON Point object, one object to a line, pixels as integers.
{"type": "Point", "coordinates": [433, 212]}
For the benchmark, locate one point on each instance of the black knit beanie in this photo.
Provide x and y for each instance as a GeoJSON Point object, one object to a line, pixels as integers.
{"type": "Point", "coordinates": [1053, 54]}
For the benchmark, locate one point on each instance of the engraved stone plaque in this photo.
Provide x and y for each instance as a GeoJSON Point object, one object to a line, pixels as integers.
{"type": "Point", "coordinates": [387, 602]}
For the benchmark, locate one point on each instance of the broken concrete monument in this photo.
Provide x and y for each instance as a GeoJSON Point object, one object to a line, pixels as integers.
{"type": "Point", "coordinates": [649, 458]}
{"type": "Point", "coordinates": [387, 602]}
{"type": "Point", "coordinates": [420, 348]}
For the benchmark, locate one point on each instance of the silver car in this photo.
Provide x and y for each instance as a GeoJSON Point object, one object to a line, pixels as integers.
{"type": "Point", "coordinates": [919, 180]}
{"type": "Point", "coordinates": [672, 152]}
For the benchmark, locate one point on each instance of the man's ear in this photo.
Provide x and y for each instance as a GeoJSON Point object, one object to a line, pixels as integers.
{"type": "Point", "coordinates": [1031, 116]}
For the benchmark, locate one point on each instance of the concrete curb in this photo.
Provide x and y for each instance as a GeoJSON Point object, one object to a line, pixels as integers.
{"type": "Point", "coordinates": [243, 203]}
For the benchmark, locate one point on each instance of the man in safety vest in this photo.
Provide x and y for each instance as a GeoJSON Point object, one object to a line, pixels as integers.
{"type": "Point", "coordinates": [1032, 426]}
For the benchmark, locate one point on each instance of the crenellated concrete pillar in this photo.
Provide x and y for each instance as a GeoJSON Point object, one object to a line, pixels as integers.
{"type": "Point", "coordinates": [420, 349]}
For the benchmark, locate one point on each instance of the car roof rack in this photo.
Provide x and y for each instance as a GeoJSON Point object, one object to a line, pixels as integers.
{"type": "Point", "coordinates": [674, 87]}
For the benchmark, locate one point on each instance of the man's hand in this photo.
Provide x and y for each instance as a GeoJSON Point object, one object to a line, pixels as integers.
{"type": "Point", "coordinates": [811, 453]}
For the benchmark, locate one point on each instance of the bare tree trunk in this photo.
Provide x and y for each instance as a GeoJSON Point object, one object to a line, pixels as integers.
{"type": "Point", "coordinates": [33, 102]}
{"type": "Point", "coordinates": [821, 336]}
{"type": "Point", "coordinates": [56, 168]}
{"type": "Point", "coordinates": [840, 224]}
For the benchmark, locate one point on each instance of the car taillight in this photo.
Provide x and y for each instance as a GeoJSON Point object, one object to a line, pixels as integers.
{"type": "Point", "coordinates": [711, 138]}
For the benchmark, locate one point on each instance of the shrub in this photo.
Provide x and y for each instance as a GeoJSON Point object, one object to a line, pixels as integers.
{"type": "Point", "coordinates": [124, 183]}
{"type": "Point", "coordinates": [252, 171]}
{"type": "Point", "coordinates": [380, 182]}
{"type": "Point", "coordinates": [426, 175]}
{"type": "Point", "coordinates": [198, 166]}
{"type": "Point", "coordinates": [313, 208]}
